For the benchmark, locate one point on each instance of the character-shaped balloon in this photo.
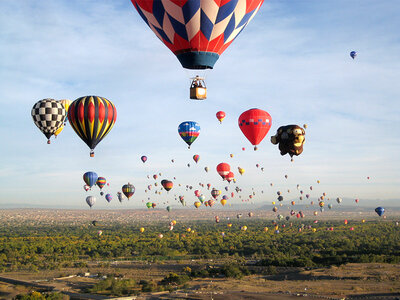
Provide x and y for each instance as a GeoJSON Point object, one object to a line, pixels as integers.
{"type": "Point", "coordinates": [290, 139]}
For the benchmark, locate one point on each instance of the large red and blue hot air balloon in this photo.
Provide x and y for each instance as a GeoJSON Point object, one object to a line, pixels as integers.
{"type": "Point", "coordinates": [189, 131]}
{"type": "Point", "coordinates": [197, 31]}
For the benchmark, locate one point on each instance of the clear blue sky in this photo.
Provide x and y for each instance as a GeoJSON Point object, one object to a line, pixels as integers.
{"type": "Point", "coordinates": [292, 61]}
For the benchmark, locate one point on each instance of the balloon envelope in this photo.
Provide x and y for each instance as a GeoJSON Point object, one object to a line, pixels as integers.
{"type": "Point", "coordinates": [255, 124]}
{"type": "Point", "coordinates": [189, 131]}
{"type": "Point", "coordinates": [101, 182]}
{"type": "Point", "coordinates": [92, 118]}
{"type": "Point", "coordinates": [223, 169]}
{"type": "Point", "coordinates": [197, 32]}
{"type": "Point", "coordinates": [48, 115]}
{"type": "Point", "coordinates": [108, 197]}
{"type": "Point", "coordinates": [128, 190]}
{"type": "Point", "coordinates": [380, 210]}
{"type": "Point", "coordinates": [90, 178]}
{"type": "Point", "coordinates": [220, 116]}
{"type": "Point", "coordinates": [90, 200]}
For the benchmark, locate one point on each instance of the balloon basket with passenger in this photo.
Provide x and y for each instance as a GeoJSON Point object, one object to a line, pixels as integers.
{"type": "Point", "coordinates": [198, 89]}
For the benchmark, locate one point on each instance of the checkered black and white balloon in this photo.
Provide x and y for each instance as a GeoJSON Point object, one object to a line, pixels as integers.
{"type": "Point", "coordinates": [48, 115]}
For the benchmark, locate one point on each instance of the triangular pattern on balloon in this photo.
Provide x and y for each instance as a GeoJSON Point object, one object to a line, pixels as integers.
{"type": "Point", "coordinates": [197, 32]}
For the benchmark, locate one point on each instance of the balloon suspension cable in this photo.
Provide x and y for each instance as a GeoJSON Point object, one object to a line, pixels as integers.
{"type": "Point", "coordinates": [48, 142]}
{"type": "Point", "coordinates": [91, 153]}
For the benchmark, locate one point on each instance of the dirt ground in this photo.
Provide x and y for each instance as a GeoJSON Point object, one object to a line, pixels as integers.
{"type": "Point", "coordinates": [351, 281]}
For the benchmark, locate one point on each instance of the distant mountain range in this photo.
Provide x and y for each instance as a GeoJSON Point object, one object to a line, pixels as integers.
{"type": "Point", "coordinates": [347, 204]}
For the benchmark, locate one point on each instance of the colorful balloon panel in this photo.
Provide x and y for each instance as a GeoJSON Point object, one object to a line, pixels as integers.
{"type": "Point", "coordinates": [255, 124]}
{"type": "Point", "coordinates": [92, 118]}
{"type": "Point", "coordinates": [189, 131]}
{"type": "Point", "coordinates": [197, 32]}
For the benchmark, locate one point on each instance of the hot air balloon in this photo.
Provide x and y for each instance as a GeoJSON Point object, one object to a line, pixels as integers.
{"type": "Point", "coordinates": [380, 211]}
{"type": "Point", "coordinates": [160, 236]}
{"type": "Point", "coordinates": [86, 187]}
{"type": "Point", "coordinates": [356, 200]}
{"type": "Point", "coordinates": [197, 204]}
{"type": "Point", "coordinates": [120, 197]}
{"type": "Point", "coordinates": [168, 208]}
{"type": "Point", "coordinates": [66, 103]}
{"type": "Point", "coordinates": [201, 198]}
{"type": "Point", "coordinates": [141, 229]}
{"type": "Point", "coordinates": [231, 155]}
{"type": "Point", "coordinates": [220, 116]}
{"type": "Point", "coordinates": [101, 182]}
{"type": "Point", "coordinates": [153, 205]}
{"type": "Point", "coordinates": [48, 115]}
{"type": "Point", "coordinates": [230, 176]}
{"type": "Point", "coordinates": [58, 131]}
{"type": "Point", "coordinates": [338, 200]}
{"type": "Point", "coordinates": [241, 170]}
{"type": "Point", "coordinates": [206, 169]}
{"type": "Point", "coordinates": [223, 202]}
{"type": "Point", "coordinates": [90, 200]}
{"type": "Point", "coordinates": [189, 131]}
{"type": "Point", "coordinates": [128, 190]}
{"type": "Point", "coordinates": [197, 32]}
{"type": "Point", "coordinates": [290, 139]}
{"type": "Point", "coordinates": [353, 54]}
{"type": "Point", "coordinates": [92, 118]}
{"type": "Point", "coordinates": [196, 158]}
{"type": "Point", "coordinates": [144, 158]}
{"type": "Point", "coordinates": [167, 184]}
{"type": "Point", "coordinates": [243, 228]}
{"type": "Point", "coordinates": [223, 169]}
{"type": "Point", "coordinates": [255, 124]}
{"type": "Point", "coordinates": [108, 198]}
{"type": "Point", "coordinates": [90, 178]}
{"type": "Point", "coordinates": [215, 193]}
